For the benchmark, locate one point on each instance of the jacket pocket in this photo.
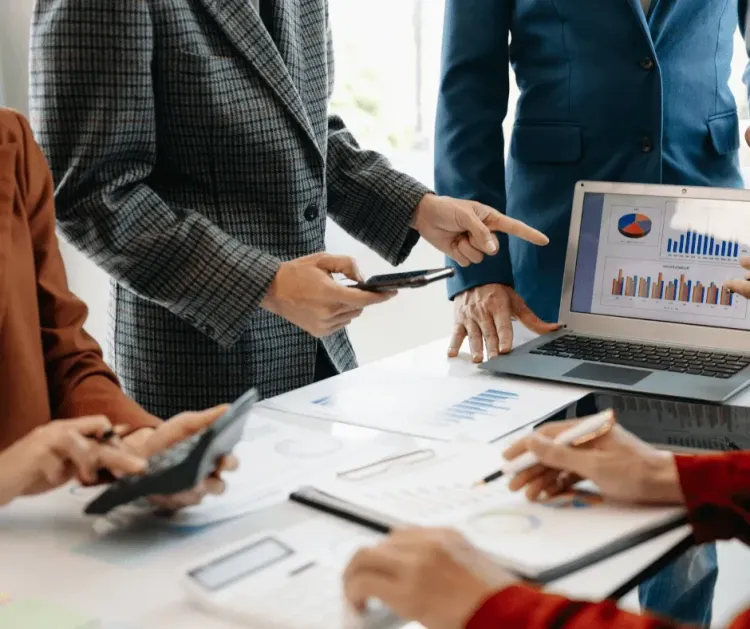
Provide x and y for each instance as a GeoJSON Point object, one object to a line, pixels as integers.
{"type": "Point", "coordinates": [724, 130]}
{"type": "Point", "coordinates": [546, 143]}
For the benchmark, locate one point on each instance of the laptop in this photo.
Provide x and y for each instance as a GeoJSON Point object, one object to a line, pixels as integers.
{"type": "Point", "coordinates": [644, 307]}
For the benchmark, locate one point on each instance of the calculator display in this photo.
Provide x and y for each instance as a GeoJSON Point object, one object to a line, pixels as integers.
{"type": "Point", "coordinates": [244, 562]}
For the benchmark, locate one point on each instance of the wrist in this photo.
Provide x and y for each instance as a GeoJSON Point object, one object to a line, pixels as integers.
{"type": "Point", "coordinates": [661, 479]}
{"type": "Point", "coordinates": [270, 299]}
{"type": "Point", "coordinates": [416, 217]}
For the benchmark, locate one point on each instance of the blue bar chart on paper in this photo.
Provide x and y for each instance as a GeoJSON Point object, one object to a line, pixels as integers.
{"type": "Point", "coordinates": [696, 245]}
{"type": "Point", "coordinates": [491, 402]}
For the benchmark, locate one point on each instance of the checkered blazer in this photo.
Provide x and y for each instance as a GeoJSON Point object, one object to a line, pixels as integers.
{"type": "Point", "coordinates": [192, 153]}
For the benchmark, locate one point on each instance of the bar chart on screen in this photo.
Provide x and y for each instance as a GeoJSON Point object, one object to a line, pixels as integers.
{"type": "Point", "coordinates": [691, 245]}
{"type": "Point", "coordinates": [677, 288]}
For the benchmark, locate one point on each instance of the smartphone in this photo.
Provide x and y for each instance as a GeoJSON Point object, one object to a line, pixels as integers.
{"type": "Point", "coordinates": [409, 279]}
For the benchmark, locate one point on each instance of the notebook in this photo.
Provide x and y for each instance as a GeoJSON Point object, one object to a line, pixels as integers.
{"type": "Point", "coordinates": [540, 542]}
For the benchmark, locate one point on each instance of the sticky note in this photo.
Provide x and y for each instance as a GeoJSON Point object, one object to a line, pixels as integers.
{"type": "Point", "coordinates": [34, 614]}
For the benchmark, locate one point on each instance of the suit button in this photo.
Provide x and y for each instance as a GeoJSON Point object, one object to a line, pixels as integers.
{"type": "Point", "coordinates": [311, 212]}
{"type": "Point", "coordinates": [647, 64]}
{"type": "Point", "coordinates": [647, 145]}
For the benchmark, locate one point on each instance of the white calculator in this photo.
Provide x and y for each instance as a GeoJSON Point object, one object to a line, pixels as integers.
{"type": "Point", "coordinates": [282, 580]}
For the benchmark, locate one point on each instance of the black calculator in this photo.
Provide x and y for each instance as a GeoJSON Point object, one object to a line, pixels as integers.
{"type": "Point", "coordinates": [182, 466]}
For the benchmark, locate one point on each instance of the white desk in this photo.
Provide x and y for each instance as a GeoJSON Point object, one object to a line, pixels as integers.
{"type": "Point", "coordinates": [50, 551]}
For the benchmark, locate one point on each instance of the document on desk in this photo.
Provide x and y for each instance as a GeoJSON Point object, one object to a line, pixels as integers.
{"type": "Point", "coordinates": [276, 458]}
{"type": "Point", "coordinates": [472, 408]}
{"type": "Point", "coordinates": [540, 541]}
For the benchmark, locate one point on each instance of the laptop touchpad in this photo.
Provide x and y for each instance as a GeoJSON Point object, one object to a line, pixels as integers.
{"type": "Point", "coordinates": [606, 373]}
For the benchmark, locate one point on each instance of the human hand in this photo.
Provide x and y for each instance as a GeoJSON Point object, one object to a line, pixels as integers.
{"type": "Point", "coordinates": [464, 230]}
{"type": "Point", "coordinates": [55, 453]}
{"type": "Point", "coordinates": [149, 441]}
{"type": "Point", "coordinates": [622, 466]}
{"type": "Point", "coordinates": [304, 293]}
{"type": "Point", "coordinates": [432, 576]}
{"type": "Point", "coordinates": [742, 287]}
{"type": "Point", "coordinates": [487, 313]}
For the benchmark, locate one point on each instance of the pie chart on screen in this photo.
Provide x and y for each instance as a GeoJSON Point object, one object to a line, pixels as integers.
{"type": "Point", "coordinates": [634, 225]}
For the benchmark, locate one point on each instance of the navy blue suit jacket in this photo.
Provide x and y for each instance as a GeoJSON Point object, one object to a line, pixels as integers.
{"type": "Point", "coordinates": [606, 94]}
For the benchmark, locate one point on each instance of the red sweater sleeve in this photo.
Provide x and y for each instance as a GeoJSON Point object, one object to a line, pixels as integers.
{"type": "Point", "coordinates": [717, 494]}
{"type": "Point", "coordinates": [521, 607]}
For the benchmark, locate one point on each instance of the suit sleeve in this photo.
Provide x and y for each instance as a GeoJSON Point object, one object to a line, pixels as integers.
{"type": "Point", "coordinates": [366, 197]}
{"type": "Point", "coordinates": [92, 103]}
{"type": "Point", "coordinates": [78, 380]}
{"type": "Point", "coordinates": [744, 22]}
{"type": "Point", "coordinates": [472, 104]}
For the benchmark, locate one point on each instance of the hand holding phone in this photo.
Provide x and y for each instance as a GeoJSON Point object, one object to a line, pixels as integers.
{"type": "Point", "coordinates": [409, 279]}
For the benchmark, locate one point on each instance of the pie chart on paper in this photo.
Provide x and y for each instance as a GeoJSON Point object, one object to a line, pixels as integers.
{"type": "Point", "coordinates": [634, 225]}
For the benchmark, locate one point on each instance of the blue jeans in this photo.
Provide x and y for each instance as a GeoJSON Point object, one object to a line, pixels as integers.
{"type": "Point", "coordinates": [684, 590]}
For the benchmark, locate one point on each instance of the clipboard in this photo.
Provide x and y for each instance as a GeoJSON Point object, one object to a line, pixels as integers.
{"type": "Point", "coordinates": [331, 505]}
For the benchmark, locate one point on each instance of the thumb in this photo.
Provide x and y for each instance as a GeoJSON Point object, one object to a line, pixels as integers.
{"type": "Point", "coordinates": [741, 287]}
{"type": "Point", "coordinates": [480, 236]}
{"type": "Point", "coordinates": [182, 426]}
{"type": "Point", "coordinates": [340, 264]}
{"type": "Point", "coordinates": [558, 456]}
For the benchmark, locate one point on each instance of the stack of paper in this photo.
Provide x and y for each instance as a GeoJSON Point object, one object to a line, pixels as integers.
{"type": "Point", "coordinates": [275, 459]}
{"type": "Point", "coordinates": [446, 409]}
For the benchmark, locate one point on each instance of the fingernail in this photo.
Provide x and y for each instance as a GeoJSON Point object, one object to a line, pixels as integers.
{"type": "Point", "coordinates": [491, 245]}
{"type": "Point", "coordinates": [477, 358]}
{"type": "Point", "coordinates": [493, 354]}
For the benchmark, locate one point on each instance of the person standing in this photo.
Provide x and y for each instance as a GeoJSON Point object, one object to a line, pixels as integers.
{"type": "Point", "coordinates": [620, 90]}
{"type": "Point", "coordinates": [195, 161]}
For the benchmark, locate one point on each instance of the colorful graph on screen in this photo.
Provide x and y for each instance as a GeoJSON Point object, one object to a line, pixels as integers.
{"type": "Point", "coordinates": [693, 244]}
{"type": "Point", "coordinates": [634, 225]}
{"type": "Point", "coordinates": [682, 289]}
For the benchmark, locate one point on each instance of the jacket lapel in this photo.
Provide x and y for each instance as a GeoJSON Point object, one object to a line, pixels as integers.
{"type": "Point", "coordinates": [637, 8]}
{"type": "Point", "coordinates": [246, 31]}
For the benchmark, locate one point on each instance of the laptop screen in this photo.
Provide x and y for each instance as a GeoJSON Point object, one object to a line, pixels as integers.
{"type": "Point", "coordinates": [662, 259]}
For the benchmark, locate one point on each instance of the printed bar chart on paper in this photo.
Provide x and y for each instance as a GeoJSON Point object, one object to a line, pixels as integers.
{"type": "Point", "coordinates": [482, 409]}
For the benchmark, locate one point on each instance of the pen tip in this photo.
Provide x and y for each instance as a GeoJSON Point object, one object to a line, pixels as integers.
{"type": "Point", "coordinates": [479, 483]}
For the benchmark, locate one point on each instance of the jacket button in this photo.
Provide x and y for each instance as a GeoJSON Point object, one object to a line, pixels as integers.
{"type": "Point", "coordinates": [647, 64]}
{"type": "Point", "coordinates": [311, 212]}
{"type": "Point", "coordinates": [647, 145]}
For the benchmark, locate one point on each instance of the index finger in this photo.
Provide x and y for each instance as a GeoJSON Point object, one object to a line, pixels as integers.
{"type": "Point", "coordinates": [550, 430]}
{"type": "Point", "coordinates": [95, 425]}
{"type": "Point", "coordinates": [501, 223]}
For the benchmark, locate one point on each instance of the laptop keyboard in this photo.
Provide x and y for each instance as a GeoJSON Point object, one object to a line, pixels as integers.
{"type": "Point", "coordinates": [655, 357]}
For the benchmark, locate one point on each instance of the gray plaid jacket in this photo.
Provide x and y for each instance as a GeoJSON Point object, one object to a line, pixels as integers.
{"type": "Point", "coordinates": [193, 153]}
